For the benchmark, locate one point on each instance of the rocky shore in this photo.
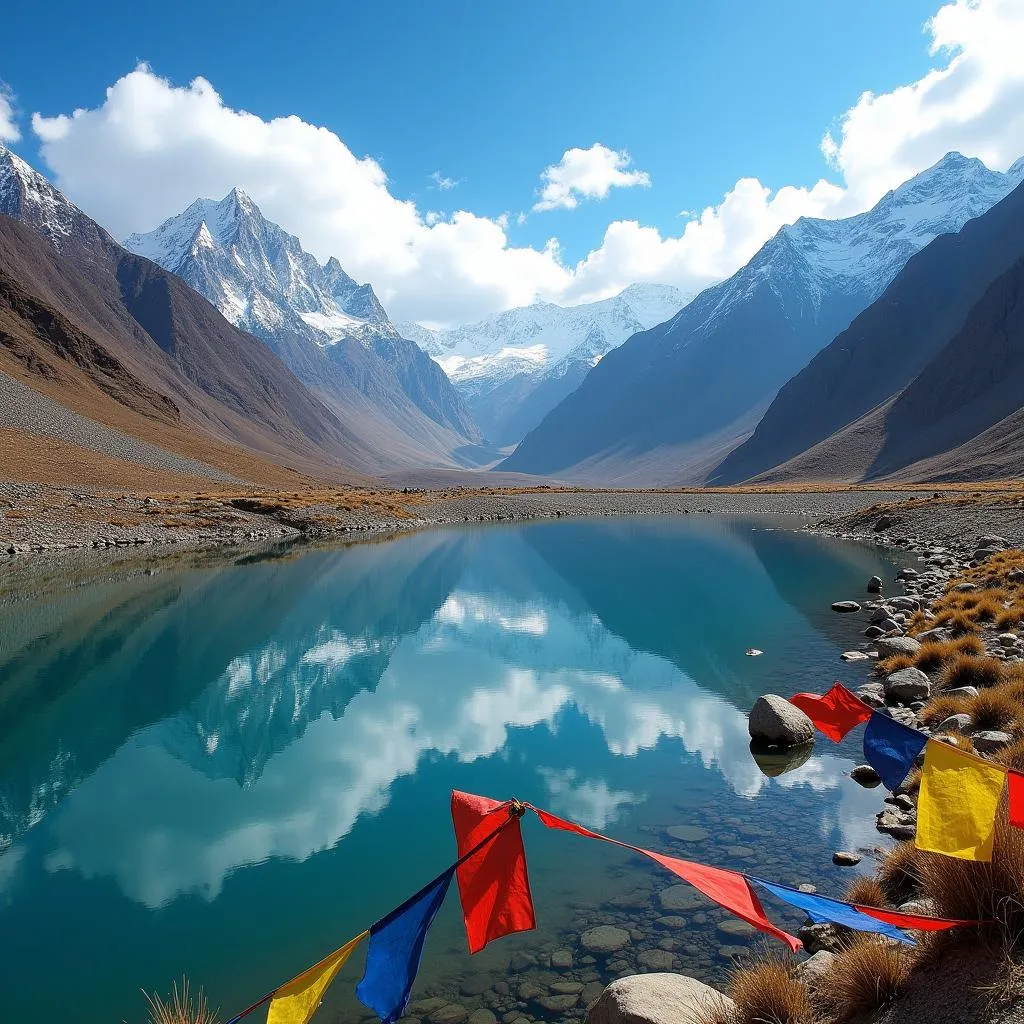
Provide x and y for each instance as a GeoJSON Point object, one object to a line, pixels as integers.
{"type": "Point", "coordinates": [36, 518]}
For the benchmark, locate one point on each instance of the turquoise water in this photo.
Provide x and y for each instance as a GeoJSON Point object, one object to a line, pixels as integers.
{"type": "Point", "coordinates": [227, 771]}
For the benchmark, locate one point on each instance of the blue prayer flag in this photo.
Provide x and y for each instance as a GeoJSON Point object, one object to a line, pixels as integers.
{"type": "Point", "coordinates": [890, 748]}
{"type": "Point", "coordinates": [396, 946]}
{"type": "Point", "coordinates": [822, 908]}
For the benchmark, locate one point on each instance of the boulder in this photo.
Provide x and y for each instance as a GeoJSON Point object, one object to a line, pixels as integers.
{"type": "Point", "coordinates": [874, 631]}
{"type": "Point", "coordinates": [656, 999]}
{"type": "Point", "coordinates": [1007, 639]}
{"type": "Point", "coordinates": [561, 959]}
{"type": "Point", "coordinates": [845, 859]}
{"type": "Point", "coordinates": [905, 604]}
{"type": "Point", "coordinates": [891, 646]}
{"type": "Point", "coordinates": [982, 553]}
{"type": "Point", "coordinates": [938, 635]}
{"type": "Point", "coordinates": [853, 656]}
{"type": "Point", "coordinates": [814, 968]}
{"type": "Point", "coordinates": [875, 585]}
{"type": "Point", "coordinates": [865, 775]}
{"type": "Point", "coordinates": [604, 939]}
{"type": "Point", "coordinates": [990, 740]}
{"type": "Point", "coordinates": [845, 606]}
{"type": "Point", "coordinates": [558, 1003]}
{"type": "Point", "coordinates": [774, 720]}
{"type": "Point", "coordinates": [992, 541]}
{"type": "Point", "coordinates": [955, 723]}
{"type": "Point", "coordinates": [681, 897]}
{"type": "Point", "coordinates": [883, 523]}
{"type": "Point", "coordinates": [907, 684]}
{"type": "Point", "coordinates": [816, 937]}
{"type": "Point", "coordinates": [687, 833]}
{"type": "Point", "coordinates": [482, 1016]}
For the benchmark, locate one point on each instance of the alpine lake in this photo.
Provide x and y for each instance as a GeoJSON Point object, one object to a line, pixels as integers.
{"type": "Point", "coordinates": [225, 766]}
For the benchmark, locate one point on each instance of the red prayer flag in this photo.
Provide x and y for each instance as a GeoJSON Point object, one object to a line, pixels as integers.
{"type": "Point", "coordinates": [834, 713]}
{"type": "Point", "coordinates": [493, 884]}
{"type": "Point", "coordinates": [729, 889]}
{"type": "Point", "coordinates": [1015, 785]}
{"type": "Point", "coordinates": [915, 921]}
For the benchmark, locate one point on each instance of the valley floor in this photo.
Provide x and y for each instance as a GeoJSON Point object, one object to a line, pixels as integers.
{"type": "Point", "coordinates": [37, 517]}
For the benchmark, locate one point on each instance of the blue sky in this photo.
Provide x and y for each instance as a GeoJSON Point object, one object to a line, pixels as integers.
{"type": "Point", "coordinates": [699, 95]}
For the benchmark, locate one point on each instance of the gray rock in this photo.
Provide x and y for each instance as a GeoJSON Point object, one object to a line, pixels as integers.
{"type": "Point", "coordinates": [562, 959]}
{"type": "Point", "coordinates": [891, 626]}
{"type": "Point", "coordinates": [670, 921]}
{"type": "Point", "coordinates": [680, 898]}
{"type": "Point", "coordinates": [982, 553]}
{"type": "Point", "coordinates": [735, 928]}
{"type": "Point", "coordinates": [992, 541]}
{"type": "Point", "coordinates": [816, 937]}
{"type": "Point", "coordinates": [557, 1003]}
{"type": "Point", "coordinates": [1015, 576]}
{"type": "Point", "coordinates": [845, 859]}
{"type": "Point", "coordinates": [990, 740]}
{"type": "Point", "coordinates": [853, 656]}
{"type": "Point", "coordinates": [482, 1016]}
{"type": "Point", "coordinates": [907, 684]}
{"type": "Point", "coordinates": [814, 968]}
{"type": "Point", "coordinates": [891, 646]}
{"type": "Point", "coordinates": [865, 775]}
{"type": "Point", "coordinates": [687, 833]}
{"type": "Point", "coordinates": [567, 988]}
{"type": "Point", "coordinates": [964, 588]}
{"type": "Point", "coordinates": [938, 635]}
{"type": "Point", "coordinates": [655, 959]}
{"type": "Point", "coordinates": [925, 906]}
{"type": "Point", "coordinates": [452, 1013]}
{"type": "Point", "coordinates": [955, 723]}
{"type": "Point", "coordinates": [1008, 639]}
{"type": "Point", "coordinates": [845, 606]}
{"type": "Point", "coordinates": [961, 691]}
{"type": "Point", "coordinates": [874, 631]}
{"type": "Point", "coordinates": [605, 939]}
{"type": "Point", "coordinates": [905, 603]}
{"type": "Point", "coordinates": [775, 721]}
{"type": "Point", "coordinates": [656, 999]}
{"type": "Point", "coordinates": [875, 585]}
{"type": "Point", "coordinates": [907, 574]}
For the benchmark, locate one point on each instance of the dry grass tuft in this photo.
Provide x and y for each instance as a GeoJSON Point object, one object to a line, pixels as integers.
{"type": "Point", "coordinates": [894, 664]}
{"type": "Point", "coordinates": [958, 622]}
{"type": "Point", "coordinates": [995, 708]}
{"type": "Point", "coordinates": [866, 975]}
{"type": "Point", "coordinates": [899, 874]}
{"type": "Point", "coordinates": [1012, 617]}
{"type": "Point", "coordinates": [971, 670]}
{"type": "Point", "coordinates": [867, 890]}
{"type": "Point", "coordinates": [1012, 755]}
{"type": "Point", "coordinates": [934, 655]}
{"type": "Point", "coordinates": [180, 1007]}
{"type": "Point", "coordinates": [768, 991]}
{"type": "Point", "coordinates": [941, 707]}
{"type": "Point", "coordinates": [981, 891]}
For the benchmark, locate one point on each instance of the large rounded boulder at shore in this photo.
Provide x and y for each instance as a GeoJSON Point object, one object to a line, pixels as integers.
{"type": "Point", "coordinates": [893, 646]}
{"type": "Point", "coordinates": [776, 722]}
{"type": "Point", "coordinates": [657, 999]}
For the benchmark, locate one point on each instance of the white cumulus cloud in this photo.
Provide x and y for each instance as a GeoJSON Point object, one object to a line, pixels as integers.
{"type": "Point", "coordinates": [152, 147]}
{"type": "Point", "coordinates": [586, 174]}
{"type": "Point", "coordinates": [8, 125]}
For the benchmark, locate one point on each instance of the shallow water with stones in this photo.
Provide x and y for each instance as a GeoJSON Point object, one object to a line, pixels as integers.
{"type": "Point", "coordinates": [226, 772]}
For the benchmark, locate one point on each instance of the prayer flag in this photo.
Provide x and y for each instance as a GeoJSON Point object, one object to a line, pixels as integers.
{"type": "Point", "coordinates": [296, 1001]}
{"type": "Point", "coordinates": [918, 922]}
{"type": "Point", "coordinates": [822, 908]}
{"type": "Point", "coordinates": [396, 947]}
{"type": "Point", "coordinates": [891, 747]}
{"type": "Point", "coordinates": [1015, 786]}
{"type": "Point", "coordinates": [956, 808]}
{"type": "Point", "coordinates": [493, 883]}
{"type": "Point", "coordinates": [834, 713]}
{"type": "Point", "coordinates": [729, 889]}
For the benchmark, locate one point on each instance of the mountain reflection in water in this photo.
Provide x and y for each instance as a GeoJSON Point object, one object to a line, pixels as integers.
{"type": "Point", "coordinates": [179, 750]}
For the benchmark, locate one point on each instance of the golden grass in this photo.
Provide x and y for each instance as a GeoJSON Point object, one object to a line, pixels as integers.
{"type": "Point", "coordinates": [941, 707]}
{"type": "Point", "coordinates": [971, 670]}
{"type": "Point", "coordinates": [768, 991]}
{"type": "Point", "coordinates": [867, 890]}
{"type": "Point", "coordinates": [865, 975]}
{"type": "Point", "coordinates": [1012, 755]}
{"type": "Point", "coordinates": [180, 1007]}
{"type": "Point", "coordinates": [1011, 618]}
{"type": "Point", "coordinates": [894, 664]}
{"type": "Point", "coordinates": [978, 890]}
{"type": "Point", "coordinates": [995, 708]}
{"type": "Point", "coordinates": [959, 623]}
{"type": "Point", "coordinates": [899, 874]}
{"type": "Point", "coordinates": [934, 654]}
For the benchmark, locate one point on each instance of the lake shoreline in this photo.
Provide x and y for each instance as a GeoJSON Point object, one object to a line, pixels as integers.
{"type": "Point", "coordinates": [37, 519]}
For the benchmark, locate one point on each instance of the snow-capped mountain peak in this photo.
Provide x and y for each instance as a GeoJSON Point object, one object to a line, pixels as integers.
{"type": "Point", "coordinates": [259, 276]}
{"type": "Point", "coordinates": [27, 196]}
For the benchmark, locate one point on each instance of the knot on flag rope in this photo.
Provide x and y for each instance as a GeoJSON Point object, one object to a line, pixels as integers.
{"type": "Point", "coordinates": [516, 808]}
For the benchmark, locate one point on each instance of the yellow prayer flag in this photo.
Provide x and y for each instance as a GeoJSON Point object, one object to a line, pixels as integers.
{"type": "Point", "coordinates": [956, 808]}
{"type": "Point", "coordinates": [296, 1000]}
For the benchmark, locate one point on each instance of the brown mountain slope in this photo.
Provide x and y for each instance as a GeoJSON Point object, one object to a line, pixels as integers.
{"type": "Point", "coordinates": [960, 418]}
{"type": "Point", "coordinates": [160, 354]}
